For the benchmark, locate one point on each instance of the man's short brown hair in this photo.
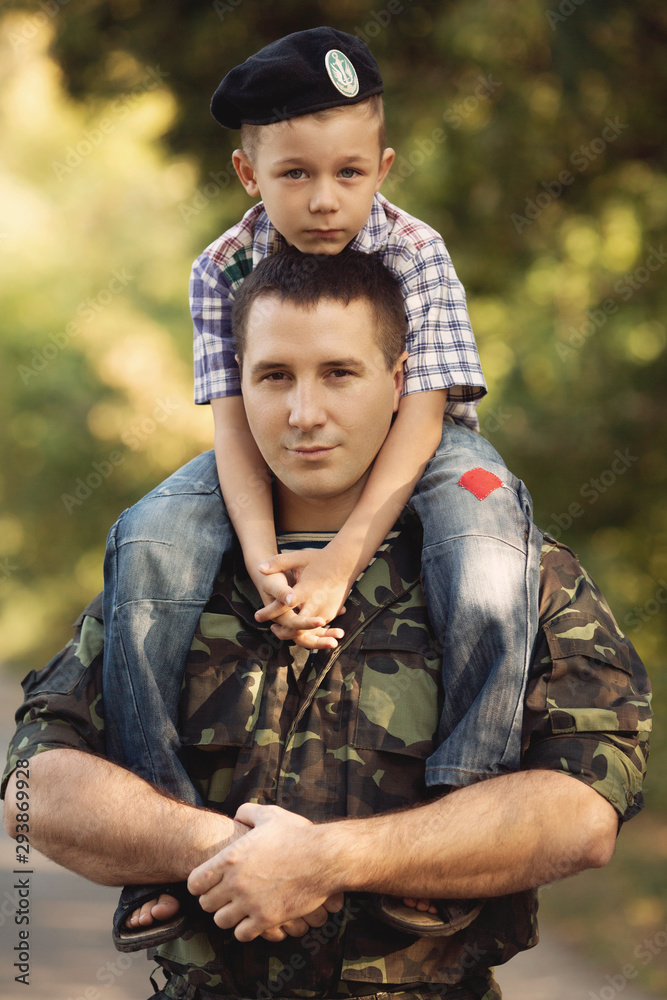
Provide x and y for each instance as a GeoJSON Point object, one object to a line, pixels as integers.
{"type": "Point", "coordinates": [306, 279]}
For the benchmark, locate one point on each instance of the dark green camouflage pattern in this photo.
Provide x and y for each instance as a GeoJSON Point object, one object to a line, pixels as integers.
{"type": "Point", "coordinates": [347, 733]}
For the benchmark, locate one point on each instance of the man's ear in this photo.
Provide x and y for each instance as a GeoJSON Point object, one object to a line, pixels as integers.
{"type": "Point", "coordinates": [399, 378]}
{"type": "Point", "coordinates": [385, 163]}
{"type": "Point", "coordinates": [246, 172]}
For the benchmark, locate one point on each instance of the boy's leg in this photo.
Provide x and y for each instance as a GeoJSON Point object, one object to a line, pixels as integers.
{"type": "Point", "coordinates": [480, 566]}
{"type": "Point", "coordinates": [163, 556]}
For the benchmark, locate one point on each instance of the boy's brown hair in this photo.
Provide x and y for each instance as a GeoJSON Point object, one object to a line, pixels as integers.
{"type": "Point", "coordinates": [251, 134]}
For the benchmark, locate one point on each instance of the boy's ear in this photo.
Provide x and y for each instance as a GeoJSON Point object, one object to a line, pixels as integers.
{"type": "Point", "coordinates": [386, 161]}
{"type": "Point", "coordinates": [399, 378]}
{"type": "Point", "coordinates": [245, 172]}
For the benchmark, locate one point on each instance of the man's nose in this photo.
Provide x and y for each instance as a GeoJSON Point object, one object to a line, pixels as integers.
{"type": "Point", "coordinates": [306, 411]}
{"type": "Point", "coordinates": [324, 197]}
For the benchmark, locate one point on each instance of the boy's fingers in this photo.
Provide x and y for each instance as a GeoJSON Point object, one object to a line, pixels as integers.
{"type": "Point", "coordinates": [280, 590]}
{"type": "Point", "coordinates": [272, 612]}
{"type": "Point", "coordinates": [281, 563]}
{"type": "Point", "coordinates": [307, 638]}
{"type": "Point", "coordinates": [298, 618]}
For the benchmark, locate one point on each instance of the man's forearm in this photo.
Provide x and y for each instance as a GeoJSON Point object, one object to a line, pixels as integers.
{"type": "Point", "coordinates": [500, 836]}
{"type": "Point", "coordinates": [110, 826]}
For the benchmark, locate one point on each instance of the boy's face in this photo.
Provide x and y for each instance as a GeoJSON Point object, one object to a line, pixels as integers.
{"type": "Point", "coordinates": [317, 177]}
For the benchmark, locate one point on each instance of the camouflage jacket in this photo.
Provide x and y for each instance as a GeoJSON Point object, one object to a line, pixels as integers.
{"type": "Point", "coordinates": [350, 733]}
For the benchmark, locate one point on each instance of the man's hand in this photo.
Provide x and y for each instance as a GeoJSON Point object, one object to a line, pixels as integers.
{"type": "Point", "coordinates": [262, 884]}
{"type": "Point", "coordinates": [322, 583]}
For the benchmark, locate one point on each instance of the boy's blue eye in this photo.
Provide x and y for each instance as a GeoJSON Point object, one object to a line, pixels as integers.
{"type": "Point", "coordinates": [296, 174]}
{"type": "Point", "coordinates": [348, 172]}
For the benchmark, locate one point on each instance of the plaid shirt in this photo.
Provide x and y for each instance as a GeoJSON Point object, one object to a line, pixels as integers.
{"type": "Point", "coordinates": [440, 341]}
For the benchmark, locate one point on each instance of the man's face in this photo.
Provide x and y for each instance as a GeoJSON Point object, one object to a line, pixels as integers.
{"type": "Point", "coordinates": [317, 177]}
{"type": "Point", "coordinates": [319, 398]}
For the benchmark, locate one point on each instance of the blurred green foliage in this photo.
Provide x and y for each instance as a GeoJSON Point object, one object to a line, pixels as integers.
{"type": "Point", "coordinates": [530, 134]}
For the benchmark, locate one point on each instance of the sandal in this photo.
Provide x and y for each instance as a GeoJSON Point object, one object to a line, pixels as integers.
{"type": "Point", "coordinates": [453, 915]}
{"type": "Point", "coordinates": [135, 939]}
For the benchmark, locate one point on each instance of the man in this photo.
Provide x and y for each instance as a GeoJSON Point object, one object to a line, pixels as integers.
{"type": "Point", "coordinates": [344, 741]}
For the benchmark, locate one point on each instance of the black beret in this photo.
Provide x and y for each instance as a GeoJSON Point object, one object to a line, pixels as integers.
{"type": "Point", "coordinates": [300, 73]}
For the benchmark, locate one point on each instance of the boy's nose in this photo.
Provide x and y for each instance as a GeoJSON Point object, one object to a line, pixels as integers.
{"type": "Point", "coordinates": [324, 198]}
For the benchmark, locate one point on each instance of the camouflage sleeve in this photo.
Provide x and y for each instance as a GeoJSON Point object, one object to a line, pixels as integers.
{"type": "Point", "coordinates": [62, 707]}
{"type": "Point", "coordinates": [588, 703]}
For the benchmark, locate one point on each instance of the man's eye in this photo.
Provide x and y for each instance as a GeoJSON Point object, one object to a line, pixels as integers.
{"type": "Point", "coordinates": [340, 372]}
{"type": "Point", "coordinates": [296, 175]}
{"type": "Point", "coordinates": [274, 377]}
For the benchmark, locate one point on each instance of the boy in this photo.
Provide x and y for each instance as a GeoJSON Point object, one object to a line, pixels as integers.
{"type": "Point", "coordinates": [312, 131]}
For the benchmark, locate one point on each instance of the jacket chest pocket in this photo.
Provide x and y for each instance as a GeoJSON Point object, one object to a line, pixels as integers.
{"type": "Point", "coordinates": [223, 685]}
{"type": "Point", "coordinates": [400, 694]}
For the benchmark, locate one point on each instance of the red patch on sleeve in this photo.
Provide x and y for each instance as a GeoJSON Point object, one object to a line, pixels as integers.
{"type": "Point", "coordinates": [480, 482]}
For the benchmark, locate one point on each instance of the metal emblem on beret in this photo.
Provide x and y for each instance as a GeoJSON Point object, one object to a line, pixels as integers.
{"type": "Point", "coordinates": [342, 73]}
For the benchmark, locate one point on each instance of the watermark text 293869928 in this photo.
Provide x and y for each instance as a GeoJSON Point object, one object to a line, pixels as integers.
{"type": "Point", "coordinates": [22, 881]}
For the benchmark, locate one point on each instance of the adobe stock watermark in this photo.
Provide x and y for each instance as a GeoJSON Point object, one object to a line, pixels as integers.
{"type": "Point", "coordinates": [379, 20]}
{"type": "Point", "coordinates": [108, 974]}
{"type": "Point", "coordinates": [133, 437]}
{"type": "Point", "coordinates": [74, 155]}
{"type": "Point", "coordinates": [312, 942]}
{"type": "Point", "coordinates": [596, 318]}
{"type": "Point", "coordinates": [83, 488]}
{"type": "Point", "coordinates": [493, 420]}
{"type": "Point", "coordinates": [225, 7]}
{"type": "Point", "coordinates": [581, 160]}
{"type": "Point", "coordinates": [219, 180]}
{"type": "Point", "coordinates": [10, 901]}
{"type": "Point", "coordinates": [6, 570]}
{"type": "Point", "coordinates": [457, 114]}
{"type": "Point", "coordinates": [33, 24]}
{"type": "Point", "coordinates": [637, 618]}
{"type": "Point", "coordinates": [592, 490]}
{"type": "Point", "coordinates": [471, 958]}
{"type": "Point", "coordinates": [644, 953]}
{"type": "Point", "coordinates": [86, 311]}
{"type": "Point", "coordinates": [565, 9]}
{"type": "Point", "coordinates": [424, 148]}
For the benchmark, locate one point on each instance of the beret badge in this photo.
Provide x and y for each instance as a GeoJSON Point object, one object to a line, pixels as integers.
{"type": "Point", "coordinates": [342, 73]}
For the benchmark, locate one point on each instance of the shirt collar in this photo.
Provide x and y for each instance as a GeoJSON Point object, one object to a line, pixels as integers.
{"type": "Point", "coordinates": [375, 233]}
{"type": "Point", "coordinates": [267, 240]}
{"type": "Point", "coordinates": [394, 572]}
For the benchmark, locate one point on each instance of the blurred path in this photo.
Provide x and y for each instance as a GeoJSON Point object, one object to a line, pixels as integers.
{"type": "Point", "coordinates": [553, 971]}
{"type": "Point", "coordinates": [73, 957]}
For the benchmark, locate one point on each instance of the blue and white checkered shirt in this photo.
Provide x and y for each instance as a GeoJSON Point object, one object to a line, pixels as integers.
{"type": "Point", "coordinates": [440, 341]}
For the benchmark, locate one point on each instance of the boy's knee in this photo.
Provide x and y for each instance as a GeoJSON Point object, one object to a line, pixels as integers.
{"type": "Point", "coordinates": [466, 448]}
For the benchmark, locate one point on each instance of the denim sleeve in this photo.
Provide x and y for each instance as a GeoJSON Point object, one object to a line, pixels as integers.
{"type": "Point", "coordinates": [62, 707]}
